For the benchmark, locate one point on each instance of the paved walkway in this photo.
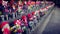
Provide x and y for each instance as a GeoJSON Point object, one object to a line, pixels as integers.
{"type": "Point", "coordinates": [53, 26]}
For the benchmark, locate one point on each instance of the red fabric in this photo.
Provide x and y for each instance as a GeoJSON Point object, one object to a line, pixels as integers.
{"type": "Point", "coordinates": [29, 2]}
{"type": "Point", "coordinates": [24, 18]}
{"type": "Point", "coordinates": [29, 15]}
{"type": "Point", "coordinates": [4, 23]}
{"type": "Point", "coordinates": [17, 22]}
{"type": "Point", "coordinates": [6, 31]}
{"type": "Point", "coordinates": [33, 13]}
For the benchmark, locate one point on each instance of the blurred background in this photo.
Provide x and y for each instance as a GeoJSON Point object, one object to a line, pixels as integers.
{"type": "Point", "coordinates": [57, 2]}
{"type": "Point", "coordinates": [14, 11]}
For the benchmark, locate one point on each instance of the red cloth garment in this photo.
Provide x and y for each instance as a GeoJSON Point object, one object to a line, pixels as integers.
{"type": "Point", "coordinates": [24, 18]}
{"type": "Point", "coordinates": [30, 16]}
{"type": "Point", "coordinates": [6, 31]}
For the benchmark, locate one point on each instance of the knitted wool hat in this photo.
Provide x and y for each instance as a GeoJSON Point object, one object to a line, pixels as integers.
{"type": "Point", "coordinates": [29, 15]}
{"type": "Point", "coordinates": [17, 22]}
{"type": "Point", "coordinates": [33, 13]}
{"type": "Point", "coordinates": [24, 18]}
{"type": "Point", "coordinates": [4, 23]}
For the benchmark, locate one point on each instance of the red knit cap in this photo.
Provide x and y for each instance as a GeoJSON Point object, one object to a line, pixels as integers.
{"type": "Point", "coordinates": [17, 22]}
{"type": "Point", "coordinates": [4, 23]}
{"type": "Point", "coordinates": [29, 15]}
{"type": "Point", "coordinates": [29, 2]}
{"type": "Point", "coordinates": [24, 17]}
{"type": "Point", "coordinates": [33, 13]}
